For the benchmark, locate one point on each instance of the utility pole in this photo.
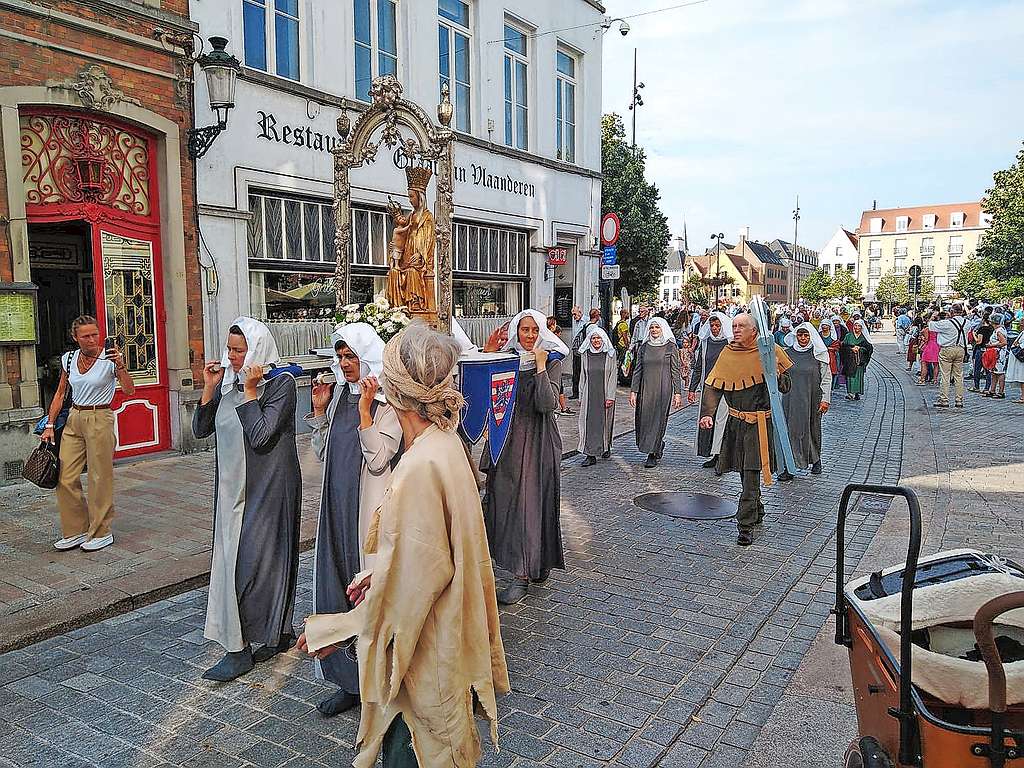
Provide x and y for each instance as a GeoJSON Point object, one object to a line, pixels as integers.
{"type": "Point", "coordinates": [796, 257]}
{"type": "Point", "coordinates": [637, 100]}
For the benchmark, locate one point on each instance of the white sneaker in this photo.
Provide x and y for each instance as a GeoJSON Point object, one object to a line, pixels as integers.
{"type": "Point", "coordinates": [69, 543]}
{"type": "Point", "coordinates": [93, 544]}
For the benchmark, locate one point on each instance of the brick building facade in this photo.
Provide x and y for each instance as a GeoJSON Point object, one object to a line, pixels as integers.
{"type": "Point", "coordinates": [96, 208]}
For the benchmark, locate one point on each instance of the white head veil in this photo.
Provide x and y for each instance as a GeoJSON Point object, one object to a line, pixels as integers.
{"type": "Point", "coordinates": [606, 343]}
{"type": "Point", "coordinates": [666, 332]}
{"type": "Point", "coordinates": [362, 339]}
{"type": "Point", "coordinates": [547, 340]}
{"type": "Point", "coordinates": [462, 337]}
{"type": "Point", "coordinates": [827, 323]}
{"type": "Point", "coordinates": [816, 343]}
{"type": "Point", "coordinates": [863, 329]}
{"type": "Point", "coordinates": [262, 352]}
{"type": "Point", "coordinates": [724, 335]}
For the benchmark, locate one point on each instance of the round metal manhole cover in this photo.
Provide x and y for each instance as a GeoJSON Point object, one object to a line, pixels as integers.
{"type": "Point", "coordinates": [688, 506]}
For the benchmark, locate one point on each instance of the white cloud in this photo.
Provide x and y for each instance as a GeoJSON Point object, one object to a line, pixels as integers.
{"type": "Point", "coordinates": [748, 102]}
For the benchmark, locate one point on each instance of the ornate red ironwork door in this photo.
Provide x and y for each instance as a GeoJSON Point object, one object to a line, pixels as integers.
{"type": "Point", "coordinates": [80, 166]}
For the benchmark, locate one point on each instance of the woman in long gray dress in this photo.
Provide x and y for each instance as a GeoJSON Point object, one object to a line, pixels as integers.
{"type": "Point", "coordinates": [597, 395]}
{"type": "Point", "coordinates": [521, 504]}
{"type": "Point", "coordinates": [257, 500]}
{"type": "Point", "coordinates": [358, 437]}
{"type": "Point", "coordinates": [712, 337]}
{"type": "Point", "coordinates": [657, 387]}
{"type": "Point", "coordinates": [808, 398]}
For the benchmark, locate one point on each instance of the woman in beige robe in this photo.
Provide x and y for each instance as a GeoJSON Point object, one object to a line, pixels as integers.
{"type": "Point", "coordinates": [426, 617]}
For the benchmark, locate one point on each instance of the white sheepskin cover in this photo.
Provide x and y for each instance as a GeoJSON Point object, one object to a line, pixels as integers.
{"type": "Point", "coordinates": [953, 680]}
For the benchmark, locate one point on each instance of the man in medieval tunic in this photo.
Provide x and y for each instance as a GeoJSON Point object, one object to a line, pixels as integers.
{"type": "Point", "coordinates": [739, 378]}
{"type": "Point", "coordinates": [712, 337]}
{"type": "Point", "coordinates": [358, 437]}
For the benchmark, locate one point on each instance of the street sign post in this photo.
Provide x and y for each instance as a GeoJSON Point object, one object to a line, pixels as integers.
{"type": "Point", "coordinates": [610, 228]}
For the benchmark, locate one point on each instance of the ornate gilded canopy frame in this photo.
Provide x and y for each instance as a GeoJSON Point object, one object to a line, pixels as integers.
{"type": "Point", "coordinates": [430, 144]}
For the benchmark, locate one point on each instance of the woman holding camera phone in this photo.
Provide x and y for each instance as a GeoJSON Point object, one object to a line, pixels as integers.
{"type": "Point", "coordinates": [88, 436]}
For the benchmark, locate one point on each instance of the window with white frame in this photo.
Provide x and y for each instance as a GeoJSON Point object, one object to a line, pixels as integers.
{"type": "Point", "coordinates": [928, 221]}
{"type": "Point", "coordinates": [956, 219]}
{"type": "Point", "coordinates": [851, 268]}
{"type": "Point", "coordinates": [453, 64]}
{"type": "Point", "coordinates": [376, 42]}
{"type": "Point", "coordinates": [825, 268]}
{"type": "Point", "coordinates": [270, 34]}
{"type": "Point", "coordinates": [875, 249]}
{"type": "Point", "coordinates": [876, 225]}
{"type": "Point", "coordinates": [484, 250]}
{"type": "Point", "coordinates": [902, 223]}
{"type": "Point", "coordinates": [516, 69]}
{"type": "Point", "coordinates": [565, 105]}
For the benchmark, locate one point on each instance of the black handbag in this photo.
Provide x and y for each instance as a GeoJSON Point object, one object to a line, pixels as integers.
{"type": "Point", "coordinates": [42, 467]}
{"type": "Point", "coordinates": [65, 409]}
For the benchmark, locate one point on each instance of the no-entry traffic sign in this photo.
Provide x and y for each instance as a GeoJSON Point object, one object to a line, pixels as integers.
{"type": "Point", "coordinates": [610, 226]}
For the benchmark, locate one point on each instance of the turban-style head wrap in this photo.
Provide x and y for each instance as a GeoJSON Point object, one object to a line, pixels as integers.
{"type": "Point", "coordinates": [418, 375]}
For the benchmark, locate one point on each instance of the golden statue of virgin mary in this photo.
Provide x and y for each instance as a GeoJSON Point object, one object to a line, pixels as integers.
{"type": "Point", "coordinates": [411, 251]}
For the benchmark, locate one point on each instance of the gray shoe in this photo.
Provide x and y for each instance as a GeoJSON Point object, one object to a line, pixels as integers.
{"type": "Point", "coordinates": [514, 592]}
{"type": "Point", "coordinates": [233, 665]}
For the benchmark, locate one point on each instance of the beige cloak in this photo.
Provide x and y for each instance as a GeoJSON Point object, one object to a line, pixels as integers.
{"type": "Point", "coordinates": [428, 634]}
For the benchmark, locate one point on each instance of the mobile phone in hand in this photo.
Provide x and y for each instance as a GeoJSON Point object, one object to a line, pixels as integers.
{"type": "Point", "coordinates": [108, 344]}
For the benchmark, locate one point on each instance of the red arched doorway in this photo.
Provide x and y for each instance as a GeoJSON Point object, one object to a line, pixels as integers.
{"type": "Point", "coordinates": [94, 247]}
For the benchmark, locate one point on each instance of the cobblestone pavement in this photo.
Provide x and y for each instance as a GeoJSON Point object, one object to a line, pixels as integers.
{"type": "Point", "coordinates": [162, 536]}
{"type": "Point", "coordinates": [662, 644]}
{"type": "Point", "coordinates": [965, 466]}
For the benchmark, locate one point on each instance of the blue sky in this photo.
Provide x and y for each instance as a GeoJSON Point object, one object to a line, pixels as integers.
{"type": "Point", "coordinates": [750, 102]}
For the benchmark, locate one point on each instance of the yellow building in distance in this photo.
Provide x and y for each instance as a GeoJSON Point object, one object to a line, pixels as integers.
{"type": "Point", "coordinates": [939, 238]}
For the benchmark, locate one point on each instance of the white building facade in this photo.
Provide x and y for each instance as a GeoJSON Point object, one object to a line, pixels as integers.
{"type": "Point", "coordinates": [840, 254]}
{"type": "Point", "coordinates": [525, 79]}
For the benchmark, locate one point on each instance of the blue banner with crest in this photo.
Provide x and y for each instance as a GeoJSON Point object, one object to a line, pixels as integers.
{"type": "Point", "coordinates": [489, 384]}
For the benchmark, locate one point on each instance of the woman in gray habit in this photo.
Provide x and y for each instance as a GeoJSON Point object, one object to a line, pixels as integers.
{"type": "Point", "coordinates": [657, 387]}
{"type": "Point", "coordinates": [598, 377]}
{"type": "Point", "coordinates": [257, 500]}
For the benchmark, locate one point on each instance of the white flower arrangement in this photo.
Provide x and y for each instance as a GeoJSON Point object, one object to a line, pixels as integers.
{"type": "Point", "coordinates": [386, 320]}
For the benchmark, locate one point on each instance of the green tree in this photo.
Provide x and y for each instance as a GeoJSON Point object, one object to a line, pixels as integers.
{"type": "Point", "coordinates": [844, 284]}
{"type": "Point", "coordinates": [694, 291]}
{"type": "Point", "coordinates": [975, 280]}
{"type": "Point", "coordinates": [625, 191]}
{"type": "Point", "coordinates": [815, 286]}
{"type": "Point", "coordinates": [1002, 247]}
{"type": "Point", "coordinates": [893, 289]}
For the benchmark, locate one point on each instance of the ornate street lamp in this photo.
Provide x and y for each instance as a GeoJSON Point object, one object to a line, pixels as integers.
{"type": "Point", "coordinates": [221, 70]}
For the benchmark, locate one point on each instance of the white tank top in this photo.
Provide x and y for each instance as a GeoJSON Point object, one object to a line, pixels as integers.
{"type": "Point", "coordinates": [95, 386]}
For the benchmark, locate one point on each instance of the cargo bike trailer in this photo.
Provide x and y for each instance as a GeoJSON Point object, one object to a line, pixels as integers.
{"type": "Point", "coordinates": [919, 704]}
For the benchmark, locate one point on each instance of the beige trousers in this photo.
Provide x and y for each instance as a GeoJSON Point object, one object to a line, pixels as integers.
{"type": "Point", "coordinates": [88, 438]}
{"type": "Point", "coordinates": [951, 363]}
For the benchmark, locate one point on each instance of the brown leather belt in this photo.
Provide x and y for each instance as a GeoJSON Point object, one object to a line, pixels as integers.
{"type": "Point", "coordinates": [90, 407]}
{"type": "Point", "coordinates": [761, 419]}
